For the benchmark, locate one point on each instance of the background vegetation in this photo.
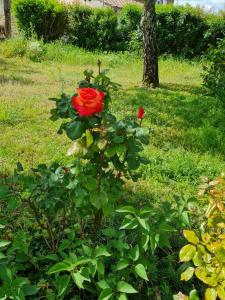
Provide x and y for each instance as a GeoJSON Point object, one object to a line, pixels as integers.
{"type": "Point", "coordinates": [182, 31]}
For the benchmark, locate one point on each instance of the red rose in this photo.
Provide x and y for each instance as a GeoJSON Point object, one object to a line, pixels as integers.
{"type": "Point", "coordinates": [89, 101]}
{"type": "Point", "coordinates": [141, 113]}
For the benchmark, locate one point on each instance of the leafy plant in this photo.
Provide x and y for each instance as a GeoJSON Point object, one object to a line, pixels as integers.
{"type": "Point", "coordinates": [214, 76]}
{"type": "Point", "coordinates": [207, 249]}
{"type": "Point", "coordinates": [70, 229]}
{"type": "Point", "coordinates": [45, 18]}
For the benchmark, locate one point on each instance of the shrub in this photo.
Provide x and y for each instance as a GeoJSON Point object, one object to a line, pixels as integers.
{"type": "Point", "coordinates": [206, 248]}
{"type": "Point", "coordinates": [214, 76]}
{"type": "Point", "coordinates": [129, 19]}
{"type": "Point", "coordinates": [215, 31]}
{"type": "Point", "coordinates": [44, 18]}
{"type": "Point", "coordinates": [68, 229]}
{"type": "Point", "coordinates": [182, 31]}
{"type": "Point", "coordinates": [93, 28]}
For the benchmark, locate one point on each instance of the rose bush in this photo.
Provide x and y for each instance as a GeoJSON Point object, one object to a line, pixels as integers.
{"type": "Point", "coordinates": [69, 229]}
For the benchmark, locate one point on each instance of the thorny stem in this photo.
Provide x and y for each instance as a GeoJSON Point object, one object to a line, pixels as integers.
{"type": "Point", "coordinates": [37, 217]}
{"type": "Point", "coordinates": [124, 159]}
{"type": "Point", "coordinates": [99, 66]}
{"type": "Point", "coordinates": [99, 213]}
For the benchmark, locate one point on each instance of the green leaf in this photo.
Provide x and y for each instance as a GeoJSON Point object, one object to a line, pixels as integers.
{"type": "Point", "coordinates": [4, 191]}
{"type": "Point", "coordinates": [4, 243]}
{"type": "Point", "coordinates": [210, 294]}
{"type": "Point", "coordinates": [144, 242]}
{"type": "Point", "coordinates": [118, 139]}
{"type": "Point", "coordinates": [187, 274]}
{"type": "Point", "coordinates": [122, 264]}
{"type": "Point", "coordinates": [75, 130]}
{"type": "Point", "coordinates": [194, 295]}
{"type": "Point", "coordinates": [129, 223]}
{"type": "Point", "coordinates": [89, 138]}
{"type": "Point", "coordinates": [125, 287]}
{"type": "Point", "coordinates": [100, 267]}
{"type": "Point", "coordinates": [101, 251]}
{"type": "Point", "coordinates": [143, 223]}
{"type": "Point", "coordinates": [154, 241]}
{"type": "Point", "coordinates": [79, 279]}
{"type": "Point", "coordinates": [140, 270]}
{"type": "Point", "coordinates": [105, 294]}
{"type": "Point", "coordinates": [127, 209]}
{"type": "Point", "coordinates": [187, 253]}
{"type": "Point", "coordinates": [109, 232]}
{"type": "Point", "coordinates": [103, 284]}
{"type": "Point", "coordinates": [98, 200]}
{"type": "Point", "coordinates": [122, 297]}
{"type": "Point", "coordinates": [58, 268]}
{"type": "Point", "coordinates": [62, 283]}
{"type": "Point", "coordinates": [134, 253]}
{"type": "Point", "coordinates": [30, 290]}
{"type": "Point", "coordinates": [191, 237]}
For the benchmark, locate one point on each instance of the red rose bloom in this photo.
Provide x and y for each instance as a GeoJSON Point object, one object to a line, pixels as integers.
{"type": "Point", "coordinates": [141, 113]}
{"type": "Point", "coordinates": [89, 101]}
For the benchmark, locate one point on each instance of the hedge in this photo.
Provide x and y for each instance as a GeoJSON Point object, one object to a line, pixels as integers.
{"type": "Point", "coordinates": [182, 31]}
{"type": "Point", "coordinates": [94, 28]}
{"type": "Point", "coordinates": [46, 19]}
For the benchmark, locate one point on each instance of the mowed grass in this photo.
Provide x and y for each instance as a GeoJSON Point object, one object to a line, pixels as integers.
{"type": "Point", "coordinates": [187, 127]}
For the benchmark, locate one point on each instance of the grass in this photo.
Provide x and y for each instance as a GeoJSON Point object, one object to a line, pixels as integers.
{"type": "Point", "coordinates": [187, 127]}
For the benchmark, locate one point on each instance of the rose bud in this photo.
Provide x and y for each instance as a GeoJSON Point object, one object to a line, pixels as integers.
{"type": "Point", "coordinates": [141, 113]}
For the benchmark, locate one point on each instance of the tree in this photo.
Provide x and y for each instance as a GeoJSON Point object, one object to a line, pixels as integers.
{"type": "Point", "coordinates": [150, 49]}
{"type": "Point", "coordinates": [7, 12]}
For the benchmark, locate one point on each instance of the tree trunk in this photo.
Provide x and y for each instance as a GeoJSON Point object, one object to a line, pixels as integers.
{"type": "Point", "coordinates": [7, 12]}
{"type": "Point", "coordinates": [150, 50]}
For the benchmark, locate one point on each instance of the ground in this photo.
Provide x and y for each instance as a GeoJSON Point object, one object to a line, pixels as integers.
{"type": "Point", "coordinates": [187, 126]}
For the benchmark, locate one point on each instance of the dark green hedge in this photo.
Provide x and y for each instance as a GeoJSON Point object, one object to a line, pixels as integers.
{"type": "Point", "coordinates": [46, 19]}
{"type": "Point", "coordinates": [94, 28]}
{"type": "Point", "coordinates": [182, 31]}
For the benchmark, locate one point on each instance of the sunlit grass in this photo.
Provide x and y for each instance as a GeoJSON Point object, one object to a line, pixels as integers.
{"type": "Point", "coordinates": [187, 127]}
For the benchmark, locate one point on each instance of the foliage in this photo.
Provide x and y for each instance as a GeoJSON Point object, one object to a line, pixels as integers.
{"type": "Point", "coordinates": [181, 150]}
{"type": "Point", "coordinates": [93, 28]}
{"type": "Point", "coordinates": [182, 31]}
{"type": "Point", "coordinates": [207, 250]}
{"type": "Point", "coordinates": [46, 19]}
{"type": "Point", "coordinates": [214, 76]}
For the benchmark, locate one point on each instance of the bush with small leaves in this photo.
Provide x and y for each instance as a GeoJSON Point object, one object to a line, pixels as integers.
{"type": "Point", "coordinates": [206, 248]}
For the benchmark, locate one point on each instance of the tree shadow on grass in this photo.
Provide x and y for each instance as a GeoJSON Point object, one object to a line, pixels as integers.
{"type": "Point", "coordinates": [14, 79]}
{"type": "Point", "coordinates": [181, 116]}
{"type": "Point", "coordinates": [7, 65]}
{"type": "Point", "coordinates": [174, 87]}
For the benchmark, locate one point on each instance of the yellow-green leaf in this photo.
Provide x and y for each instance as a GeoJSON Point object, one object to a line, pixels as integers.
{"type": "Point", "coordinates": [191, 237]}
{"type": "Point", "coordinates": [221, 292]}
{"type": "Point", "coordinates": [204, 276]}
{"type": "Point", "coordinates": [187, 274]}
{"type": "Point", "coordinates": [197, 259]}
{"type": "Point", "coordinates": [210, 294]}
{"type": "Point", "coordinates": [187, 253]}
{"type": "Point", "coordinates": [206, 238]}
{"type": "Point", "coordinates": [89, 138]}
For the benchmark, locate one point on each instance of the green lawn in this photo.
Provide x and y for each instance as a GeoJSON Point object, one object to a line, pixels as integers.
{"type": "Point", "coordinates": [187, 127]}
